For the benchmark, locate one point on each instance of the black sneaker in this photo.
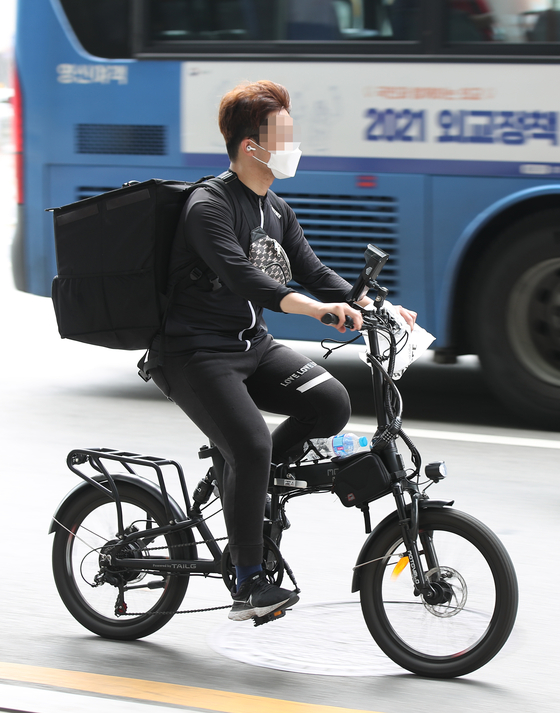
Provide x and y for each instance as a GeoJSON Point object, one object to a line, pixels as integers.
{"type": "Point", "coordinates": [257, 598]}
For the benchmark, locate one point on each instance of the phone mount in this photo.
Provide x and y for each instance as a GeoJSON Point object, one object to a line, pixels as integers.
{"type": "Point", "coordinates": [375, 260]}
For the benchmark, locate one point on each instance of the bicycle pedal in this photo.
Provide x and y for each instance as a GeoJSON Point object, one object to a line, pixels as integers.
{"type": "Point", "coordinates": [272, 616]}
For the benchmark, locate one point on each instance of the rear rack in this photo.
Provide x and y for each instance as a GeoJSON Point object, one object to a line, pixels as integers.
{"type": "Point", "coordinates": [96, 457]}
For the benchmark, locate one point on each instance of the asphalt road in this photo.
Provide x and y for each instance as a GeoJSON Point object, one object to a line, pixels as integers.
{"type": "Point", "coordinates": [57, 395]}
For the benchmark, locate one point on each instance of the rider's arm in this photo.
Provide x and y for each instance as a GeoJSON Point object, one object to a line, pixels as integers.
{"type": "Point", "coordinates": [320, 280]}
{"type": "Point", "coordinates": [296, 303]}
{"type": "Point", "coordinates": [208, 229]}
{"type": "Point", "coordinates": [308, 270]}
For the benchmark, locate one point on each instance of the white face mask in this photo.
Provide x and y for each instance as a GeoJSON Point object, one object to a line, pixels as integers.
{"type": "Point", "coordinates": [283, 164]}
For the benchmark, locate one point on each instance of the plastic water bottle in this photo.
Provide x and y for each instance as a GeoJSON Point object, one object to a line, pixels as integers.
{"type": "Point", "coordinates": [345, 444]}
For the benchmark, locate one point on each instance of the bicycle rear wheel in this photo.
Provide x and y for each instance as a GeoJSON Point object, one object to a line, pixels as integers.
{"type": "Point", "coordinates": [90, 589]}
{"type": "Point", "coordinates": [459, 635]}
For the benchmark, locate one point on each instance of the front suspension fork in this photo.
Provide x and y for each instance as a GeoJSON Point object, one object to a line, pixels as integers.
{"type": "Point", "coordinates": [409, 523]}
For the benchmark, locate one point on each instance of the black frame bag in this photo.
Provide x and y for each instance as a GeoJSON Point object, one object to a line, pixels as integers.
{"type": "Point", "coordinates": [112, 254]}
{"type": "Point", "coordinates": [360, 479]}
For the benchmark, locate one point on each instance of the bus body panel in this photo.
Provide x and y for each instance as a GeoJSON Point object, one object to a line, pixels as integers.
{"type": "Point", "coordinates": [451, 268]}
{"type": "Point", "coordinates": [463, 220]}
{"type": "Point", "coordinates": [423, 158]}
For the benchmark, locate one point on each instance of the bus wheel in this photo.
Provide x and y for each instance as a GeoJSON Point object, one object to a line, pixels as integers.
{"type": "Point", "coordinates": [517, 318]}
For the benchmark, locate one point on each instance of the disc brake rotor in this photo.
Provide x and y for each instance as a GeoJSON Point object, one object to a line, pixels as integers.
{"type": "Point", "coordinates": [456, 586]}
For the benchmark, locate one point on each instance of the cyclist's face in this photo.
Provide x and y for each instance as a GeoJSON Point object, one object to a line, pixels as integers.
{"type": "Point", "coordinates": [277, 133]}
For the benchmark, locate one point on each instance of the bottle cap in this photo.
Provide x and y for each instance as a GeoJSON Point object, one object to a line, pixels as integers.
{"type": "Point", "coordinates": [363, 441]}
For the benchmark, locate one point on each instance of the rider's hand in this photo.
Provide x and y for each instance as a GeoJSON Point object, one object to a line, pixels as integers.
{"type": "Point", "coordinates": [296, 303]}
{"type": "Point", "coordinates": [407, 314]}
{"type": "Point", "coordinates": [341, 310]}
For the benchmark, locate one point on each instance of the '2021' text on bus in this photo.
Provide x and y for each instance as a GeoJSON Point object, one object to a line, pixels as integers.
{"type": "Point", "coordinates": [429, 127]}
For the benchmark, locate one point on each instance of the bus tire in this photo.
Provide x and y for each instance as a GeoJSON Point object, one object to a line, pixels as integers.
{"type": "Point", "coordinates": [517, 318]}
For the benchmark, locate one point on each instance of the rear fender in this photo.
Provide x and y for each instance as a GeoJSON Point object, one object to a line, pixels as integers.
{"type": "Point", "coordinates": [136, 480]}
{"type": "Point", "coordinates": [390, 521]}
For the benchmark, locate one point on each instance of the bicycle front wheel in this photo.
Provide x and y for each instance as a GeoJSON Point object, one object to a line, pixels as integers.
{"type": "Point", "coordinates": [470, 565]}
{"type": "Point", "coordinates": [127, 604]}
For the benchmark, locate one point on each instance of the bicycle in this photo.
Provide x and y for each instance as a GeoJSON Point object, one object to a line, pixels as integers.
{"type": "Point", "coordinates": [438, 590]}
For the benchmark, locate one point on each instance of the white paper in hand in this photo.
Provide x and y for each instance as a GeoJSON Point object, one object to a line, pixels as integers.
{"type": "Point", "coordinates": [410, 343]}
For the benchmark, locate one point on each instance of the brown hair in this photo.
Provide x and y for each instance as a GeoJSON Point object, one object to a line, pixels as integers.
{"type": "Point", "coordinates": [245, 108]}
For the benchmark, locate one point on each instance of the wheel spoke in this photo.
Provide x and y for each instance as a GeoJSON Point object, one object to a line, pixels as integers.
{"type": "Point", "coordinates": [89, 583]}
{"type": "Point", "coordinates": [476, 596]}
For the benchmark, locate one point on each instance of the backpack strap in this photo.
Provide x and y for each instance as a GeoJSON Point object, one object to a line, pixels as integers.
{"type": "Point", "coordinates": [198, 269]}
{"type": "Point", "coordinates": [189, 275]}
{"type": "Point", "coordinates": [145, 365]}
{"type": "Point", "coordinates": [278, 206]}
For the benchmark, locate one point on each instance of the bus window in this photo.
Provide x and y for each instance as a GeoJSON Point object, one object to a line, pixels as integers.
{"type": "Point", "coordinates": [101, 26]}
{"type": "Point", "coordinates": [502, 21]}
{"type": "Point", "coordinates": [181, 21]}
{"type": "Point", "coordinates": [405, 19]}
{"type": "Point", "coordinates": [542, 25]}
{"type": "Point", "coordinates": [201, 20]}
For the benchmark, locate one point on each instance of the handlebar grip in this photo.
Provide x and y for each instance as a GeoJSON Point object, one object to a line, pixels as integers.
{"type": "Point", "coordinates": [330, 318]}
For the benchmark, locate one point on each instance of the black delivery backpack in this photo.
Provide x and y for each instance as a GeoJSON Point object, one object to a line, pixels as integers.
{"type": "Point", "coordinates": [112, 254]}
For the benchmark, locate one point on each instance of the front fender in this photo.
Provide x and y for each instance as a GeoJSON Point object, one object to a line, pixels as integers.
{"type": "Point", "coordinates": [444, 317]}
{"type": "Point", "coordinates": [389, 521]}
{"type": "Point", "coordinates": [136, 480]}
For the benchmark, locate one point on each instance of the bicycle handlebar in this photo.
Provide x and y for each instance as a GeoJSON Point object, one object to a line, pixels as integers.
{"type": "Point", "coordinates": [370, 320]}
{"type": "Point", "coordinates": [331, 318]}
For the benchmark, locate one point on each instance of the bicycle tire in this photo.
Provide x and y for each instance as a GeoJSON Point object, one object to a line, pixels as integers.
{"type": "Point", "coordinates": [91, 521]}
{"type": "Point", "coordinates": [454, 638]}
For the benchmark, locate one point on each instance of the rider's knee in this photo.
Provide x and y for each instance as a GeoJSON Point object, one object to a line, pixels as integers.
{"type": "Point", "coordinates": [333, 406]}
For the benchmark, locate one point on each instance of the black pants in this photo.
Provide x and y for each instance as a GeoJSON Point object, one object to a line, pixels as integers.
{"type": "Point", "coordinates": [222, 393]}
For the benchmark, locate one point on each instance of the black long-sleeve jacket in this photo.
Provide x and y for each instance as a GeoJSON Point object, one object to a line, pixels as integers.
{"type": "Point", "coordinates": [214, 228]}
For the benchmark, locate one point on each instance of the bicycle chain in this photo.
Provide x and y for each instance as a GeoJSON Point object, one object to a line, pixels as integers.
{"type": "Point", "coordinates": [194, 611]}
{"type": "Point", "coordinates": [184, 544]}
{"type": "Point", "coordinates": [198, 611]}
{"type": "Point", "coordinates": [183, 611]}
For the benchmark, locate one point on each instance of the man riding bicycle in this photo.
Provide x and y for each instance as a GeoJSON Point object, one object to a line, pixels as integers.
{"type": "Point", "coordinates": [220, 365]}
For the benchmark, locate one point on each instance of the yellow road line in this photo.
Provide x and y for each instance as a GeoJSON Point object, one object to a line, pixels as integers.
{"type": "Point", "coordinates": [223, 701]}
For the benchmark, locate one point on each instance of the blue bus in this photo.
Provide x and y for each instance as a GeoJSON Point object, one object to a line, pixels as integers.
{"type": "Point", "coordinates": [428, 127]}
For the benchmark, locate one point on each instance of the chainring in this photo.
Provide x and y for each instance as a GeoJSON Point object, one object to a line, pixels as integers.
{"type": "Point", "coordinates": [272, 564]}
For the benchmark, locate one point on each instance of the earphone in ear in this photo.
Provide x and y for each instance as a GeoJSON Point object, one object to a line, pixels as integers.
{"type": "Point", "coordinates": [250, 148]}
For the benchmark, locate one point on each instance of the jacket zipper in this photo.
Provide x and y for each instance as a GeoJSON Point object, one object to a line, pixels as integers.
{"type": "Point", "coordinates": [253, 315]}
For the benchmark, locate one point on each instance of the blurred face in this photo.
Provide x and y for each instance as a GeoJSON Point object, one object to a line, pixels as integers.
{"type": "Point", "coordinates": [276, 148]}
{"type": "Point", "coordinates": [277, 133]}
